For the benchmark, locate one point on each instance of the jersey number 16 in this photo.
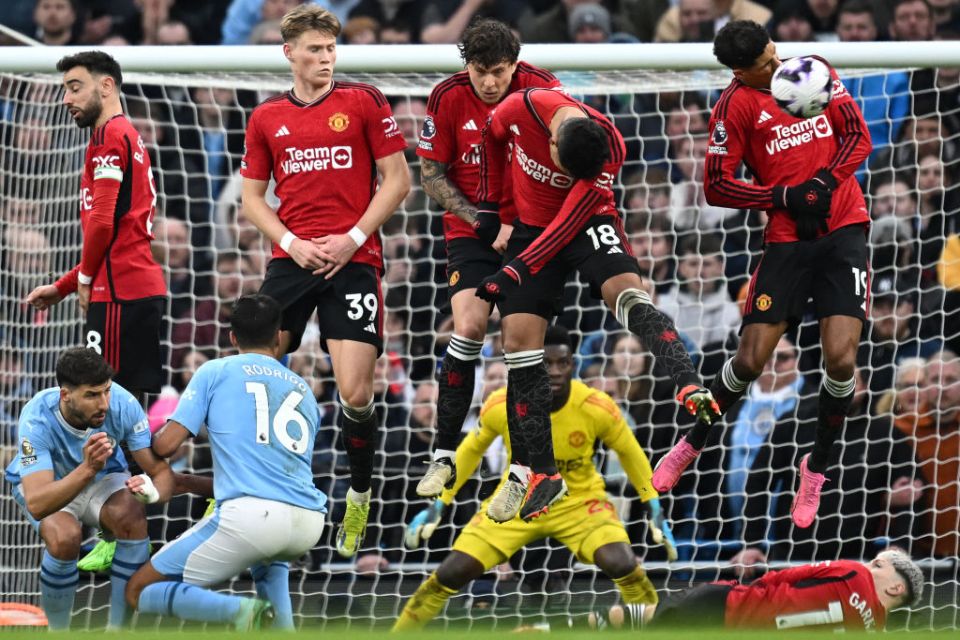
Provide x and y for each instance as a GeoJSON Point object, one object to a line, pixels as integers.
{"type": "Point", "coordinates": [286, 414]}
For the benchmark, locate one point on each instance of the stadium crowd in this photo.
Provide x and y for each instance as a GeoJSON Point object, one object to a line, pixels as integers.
{"type": "Point", "coordinates": [896, 481]}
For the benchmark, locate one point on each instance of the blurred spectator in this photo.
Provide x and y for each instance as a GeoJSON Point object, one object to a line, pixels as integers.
{"type": "Point", "coordinates": [699, 304]}
{"type": "Point", "coordinates": [589, 24]}
{"type": "Point", "coordinates": [233, 230]}
{"type": "Point", "coordinates": [443, 21]}
{"type": "Point", "coordinates": [652, 242]}
{"type": "Point", "coordinates": [173, 32]}
{"type": "Point", "coordinates": [699, 20]}
{"type": "Point", "coordinates": [221, 127]}
{"type": "Point", "coordinates": [171, 249]}
{"type": "Point", "coordinates": [938, 208]}
{"type": "Point", "coordinates": [554, 24]}
{"type": "Point", "coordinates": [646, 191]}
{"type": "Point", "coordinates": [266, 32]}
{"type": "Point", "coordinates": [399, 20]}
{"type": "Point", "coordinates": [893, 197]}
{"type": "Point", "coordinates": [868, 504]}
{"type": "Point", "coordinates": [409, 113]}
{"type": "Point", "coordinates": [396, 32]}
{"type": "Point", "coordinates": [641, 16]}
{"type": "Point", "coordinates": [361, 30]}
{"type": "Point", "coordinates": [792, 21]}
{"type": "Point", "coordinates": [689, 209]}
{"type": "Point", "coordinates": [191, 362]}
{"type": "Point", "coordinates": [16, 390]}
{"type": "Point", "coordinates": [945, 15]}
{"type": "Point", "coordinates": [894, 333]}
{"type": "Point", "coordinates": [884, 98]}
{"type": "Point", "coordinates": [824, 14]}
{"type": "Point", "coordinates": [243, 15]}
{"type": "Point", "coordinates": [56, 22]}
{"type": "Point", "coordinates": [912, 21]}
{"type": "Point", "coordinates": [893, 256]}
{"type": "Point", "coordinates": [936, 440]}
{"type": "Point", "coordinates": [921, 135]}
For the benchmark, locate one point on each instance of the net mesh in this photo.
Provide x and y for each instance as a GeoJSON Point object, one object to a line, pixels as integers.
{"type": "Point", "coordinates": [695, 256]}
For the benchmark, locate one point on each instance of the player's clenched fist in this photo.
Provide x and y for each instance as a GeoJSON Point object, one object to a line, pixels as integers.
{"type": "Point", "coordinates": [496, 287]}
{"type": "Point", "coordinates": [44, 296]}
{"type": "Point", "coordinates": [97, 450]}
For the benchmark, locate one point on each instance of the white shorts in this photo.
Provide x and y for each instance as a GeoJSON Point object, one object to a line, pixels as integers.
{"type": "Point", "coordinates": [88, 503]}
{"type": "Point", "coordinates": [239, 534]}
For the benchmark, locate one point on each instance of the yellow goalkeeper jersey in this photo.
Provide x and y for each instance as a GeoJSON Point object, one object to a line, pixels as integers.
{"type": "Point", "coordinates": [588, 415]}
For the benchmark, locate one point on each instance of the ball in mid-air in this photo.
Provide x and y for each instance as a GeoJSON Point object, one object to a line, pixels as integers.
{"type": "Point", "coordinates": [802, 86]}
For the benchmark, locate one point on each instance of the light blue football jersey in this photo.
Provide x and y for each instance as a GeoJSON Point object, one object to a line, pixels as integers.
{"type": "Point", "coordinates": [262, 420]}
{"type": "Point", "coordinates": [47, 441]}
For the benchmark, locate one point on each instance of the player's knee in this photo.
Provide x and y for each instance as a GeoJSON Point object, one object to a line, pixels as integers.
{"type": "Point", "coordinates": [458, 570]}
{"type": "Point", "coordinates": [63, 542]}
{"type": "Point", "coordinates": [841, 366]}
{"type": "Point", "coordinates": [357, 398]}
{"type": "Point", "coordinates": [616, 560]}
{"type": "Point", "coordinates": [126, 523]}
{"type": "Point", "coordinates": [748, 365]}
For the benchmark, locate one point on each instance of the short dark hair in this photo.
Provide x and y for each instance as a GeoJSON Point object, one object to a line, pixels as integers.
{"type": "Point", "coordinates": [255, 320]}
{"type": "Point", "coordinates": [487, 43]}
{"type": "Point", "coordinates": [557, 335]}
{"type": "Point", "coordinates": [584, 147]}
{"type": "Point", "coordinates": [80, 365]}
{"type": "Point", "coordinates": [706, 245]}
{"type": "Point", "coordinates": [739, 43]}
{"type": "Point", "coordinates": [97, 63]}
{"type": "Point", "coordinates": [858, 6]}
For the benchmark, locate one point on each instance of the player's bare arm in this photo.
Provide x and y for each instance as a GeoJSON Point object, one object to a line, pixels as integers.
{"type": "Point", "coordinates": [165, 443]}
{"type": "Point", "coordinates": [436, 184]}
{"type": "Point", "coordinates": [306, 254]}
{"type": "Point", "coordinates": [44, 495]}
{"type": "Point", "coordinates": [394, 187]}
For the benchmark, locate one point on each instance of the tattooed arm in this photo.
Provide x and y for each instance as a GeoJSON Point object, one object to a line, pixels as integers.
{"type": "Point", "coordinates": [436, 184]}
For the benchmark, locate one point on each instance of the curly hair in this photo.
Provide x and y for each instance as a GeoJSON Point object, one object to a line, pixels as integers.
{"type": "Point", "coordinates": [487, 43]}
{"type": "Point", "coordinates": [583, 147]}
{"type": "Point", "coordinates": [739, 43]}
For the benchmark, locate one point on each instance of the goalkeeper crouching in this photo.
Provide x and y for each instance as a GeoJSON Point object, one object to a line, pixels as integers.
{"type": "Point", "coordinates": [586, 522]}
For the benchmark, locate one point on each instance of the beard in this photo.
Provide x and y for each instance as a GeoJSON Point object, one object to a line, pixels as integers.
{"type": "Point", "coordinates": [90, 114]}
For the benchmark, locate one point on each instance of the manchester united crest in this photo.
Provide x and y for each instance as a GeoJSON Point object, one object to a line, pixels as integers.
{"type": "Point", "coordinates": [764, 302]}
{"type": "Point", "coordinates": [454, 278]}
{"type": "Point", "coordinates": [339, 122]}
{"type": "Point", "coordinates": [577, 439]}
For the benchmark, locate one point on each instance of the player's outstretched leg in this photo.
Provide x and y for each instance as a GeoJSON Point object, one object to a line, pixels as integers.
{"type": "Point", "coordinates": [424, 605]}
{"type": "Point", "coordinates": [358, 429]}
{"type": "Point", "coordinates": [58, 587]}
{"type": "Point", "coordinates": [190, 602]}
{"type": "Point", "coordinates": [505, 504]}
{"type": "Point", "coordinates": [273, 585]}
{"type": "Point", "coordinates": [128, 556]}
{"type": "Point", "coordinates": [803, 511]}
{"type": "Point", "coordinates": [456, 381]}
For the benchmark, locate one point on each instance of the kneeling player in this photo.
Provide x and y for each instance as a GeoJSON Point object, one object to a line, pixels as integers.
{"type": "Point", "coordinates": [585, 522]}
{"type": "Point", "coordinates": [837, 594]}
{"type": "Point", "coordinates": [262, 421]}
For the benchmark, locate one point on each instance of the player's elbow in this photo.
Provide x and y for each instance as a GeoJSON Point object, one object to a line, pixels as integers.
{"type": "Point", "coordinates": [37, 509]}
{"type": "Point", "coordinates": [163, 447]}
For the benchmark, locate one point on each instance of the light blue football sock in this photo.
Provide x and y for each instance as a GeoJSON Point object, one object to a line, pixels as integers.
{"type": "Point", "coordinates": [58, 586]}
{"type": "Point", "coordinates": [128, 557]}
{"type": "Point", "coordinates": [189, 602]}
{"type": "Point", "coordinates": [273, 584]}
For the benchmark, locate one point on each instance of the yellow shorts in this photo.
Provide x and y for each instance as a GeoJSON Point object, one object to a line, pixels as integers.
{"type": "Point", "coordinates": [583, 524]}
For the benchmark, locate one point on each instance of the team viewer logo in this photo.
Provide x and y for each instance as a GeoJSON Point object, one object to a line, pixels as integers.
{"type": "Point", "coordinates": [764, 302]}
{"type": "Point", "coordinates": [339, 122]}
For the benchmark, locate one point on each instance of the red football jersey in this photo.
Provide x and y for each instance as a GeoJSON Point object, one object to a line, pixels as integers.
{"type": "Point", "coordinates": [835, 593]}
{"type": "Point", "coordinates": [747, 126]}
{"type": "Point", "coordinates": [323, 156]}
{"type": "Point", "coordinates": [451, 133]}
{"type": "Point", "coordinates": [543, 195]}
{"type": "Point", "coordinates": [128, 270]}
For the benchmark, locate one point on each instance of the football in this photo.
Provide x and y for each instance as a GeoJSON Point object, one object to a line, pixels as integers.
{"type": "Point", "coordinates": [802, 86]}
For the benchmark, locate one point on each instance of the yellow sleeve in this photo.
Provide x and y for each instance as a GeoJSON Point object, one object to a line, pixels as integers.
{"type": "Point", "coordinates": [492, 423]}
{"type": "Point", "coordinates": [615, 433]}
{"type": "Point", "coordinates": [948, 269]}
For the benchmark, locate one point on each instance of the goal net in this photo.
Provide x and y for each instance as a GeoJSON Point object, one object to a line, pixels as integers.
{"type": "Point", "coordinates": [890, 482]}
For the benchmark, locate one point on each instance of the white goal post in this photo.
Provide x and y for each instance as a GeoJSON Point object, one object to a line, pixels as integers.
{"type": "Point", "coordinates": [191, 105]}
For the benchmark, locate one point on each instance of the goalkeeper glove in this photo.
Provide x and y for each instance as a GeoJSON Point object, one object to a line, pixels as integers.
{"type": "Point", "coordinates": [423, 525]}
{"type": "Point", "coordinates": [660, 529]}
{"type": "Point", "coordinates": [496, 287]}
{"type": "Point", "coordinates": [699, 402]}
{"type": "Point", "coordinates": [809, 203]}
{"type": "Point", "coordinates": [487, 225]}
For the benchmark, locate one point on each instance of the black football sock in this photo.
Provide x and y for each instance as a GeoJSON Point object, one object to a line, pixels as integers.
{"type": "Point", "coordinates": [726, 388]}
{"type": "Point", "coordinates": [658, 334]}
{"type": "Point", "coordinates": [532, 399]}
{"type": "Point", "coordinates": [358, 428]}
{"type": "Point", "coordinates": [835, 400]}
{"type": "Point", "coordinates": [456, 380]}
{"type": "Point", "coordinates": [518, 445]}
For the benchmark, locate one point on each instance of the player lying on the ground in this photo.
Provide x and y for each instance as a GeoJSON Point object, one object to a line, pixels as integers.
{"type": "Point", "coordinates": [837, 594]}
{"type": "Point", "coordinates": [70, 471]}
{"type": "Point", "coordinates": [816, 244]}
{"type": "Point", "coordinates": [586, 522]}
{"type": "Point", "coordinates": [565, 159]}
{"type": "Point", "coordinates": [261, 421]}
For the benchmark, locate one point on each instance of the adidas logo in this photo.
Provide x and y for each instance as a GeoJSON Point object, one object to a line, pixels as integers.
{"type": "Point", "coordinates": [515, 129]}
{"type": "Point", "coordinates": [470, 126]}
{"type": "Point", "coordinates": [282, 131]}
{"type": "Point", "coordinates": [614, 250]}
{"type": "Point", "coordinates": [764, 116]}
{"type": "Point", "coordinates": [370, 328]}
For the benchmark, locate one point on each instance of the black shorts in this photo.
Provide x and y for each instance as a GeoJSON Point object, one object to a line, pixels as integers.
{"type": "Point", "coordinates": [349, 306]}
{"type": "Point", "coordinates": [833, 270]}
{"type": "Point", "coordinates": [599, 252]}
{"type": "Point", "coordinates": [127, 335]}
{"type": "Point", "coordinates": [702, 606]}
{"type": "Point", "coordinates": [469, 261]}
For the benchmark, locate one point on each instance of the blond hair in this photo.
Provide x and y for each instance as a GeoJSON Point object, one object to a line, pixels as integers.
{"type": "Point", "coordinates": [308, 17]}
